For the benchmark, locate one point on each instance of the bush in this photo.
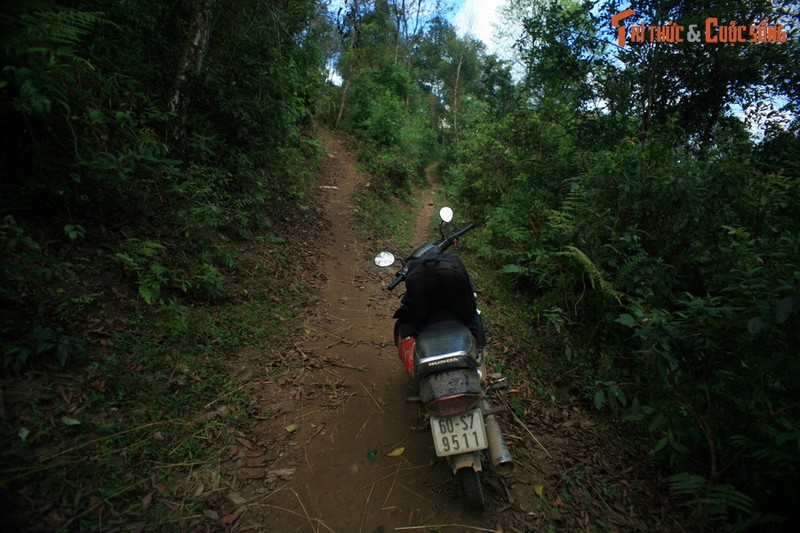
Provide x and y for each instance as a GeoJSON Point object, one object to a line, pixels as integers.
{"type": "Point", "coordinates": [671, 278]}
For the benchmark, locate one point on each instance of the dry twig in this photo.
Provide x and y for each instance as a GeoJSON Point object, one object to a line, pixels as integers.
{"type": "Point", "coordinates": [303, 507]}
{"type": "Point", "coordinates": [521, 423]}
{"type": "Point", "coordinates": [373, 398]}
{"type": "Point", "coordinates": [366, 504]}
{"type": "Point", "coordinates": [436, 526]}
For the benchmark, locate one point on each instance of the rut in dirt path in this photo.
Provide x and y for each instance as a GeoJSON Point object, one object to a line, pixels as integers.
{"type": "Point", "coordinates": [426, 213]}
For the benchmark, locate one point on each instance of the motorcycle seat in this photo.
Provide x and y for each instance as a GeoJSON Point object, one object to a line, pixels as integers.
{"type": "Point", "coordinates": [444, 345]}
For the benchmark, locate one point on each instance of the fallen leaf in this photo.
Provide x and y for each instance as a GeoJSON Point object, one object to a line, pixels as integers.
{"type": "Point", "coordinates": [67, 421]}
{"type": "Point", "coordinates": [220, 412]}
{"type": "Point", "coordinates": [212, 515]}
{"type": "Point", "coordinates": [291, 428]}
{"type": "Point", "coordinates": [283, 473]}
{"type": "Point", "coordinates": [146, 501]}
{"type": "Point", "coordinates": [236, 499]}
{"type": "Point", "coordinates": [396, 452]}
{"type": "Point", "coordinates": [227, 520]}
{"type": "Point", "coordinates": [539, 490]}
{"type": "Point", "coordinates": [96, 505]}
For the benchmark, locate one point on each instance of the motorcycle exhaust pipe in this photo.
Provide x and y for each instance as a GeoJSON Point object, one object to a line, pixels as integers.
{"type": "Point", "coordinates": [498, 450]}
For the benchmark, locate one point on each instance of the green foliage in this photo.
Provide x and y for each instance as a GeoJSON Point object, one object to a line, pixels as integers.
{"type": "Point", "coordinates": [380, 102]}
{"type": "Point", "coordinates": [112, 196]}
{"type": "Point", "coordinates": [721, 505]}
{"type": "Point", "coordinates": [142, 258]}
{"type": "Point", "coordinates": [388, 216]}
{"type": "Point", "coordinates": [158, 276]}
{"type": "Point", "coordinates": [40, 47]}
{"type": "Point", "coordinates": [674, 296]}
{"type": "Point", "coordinates": [398, 143]}
{"type": "Point", "coordinates": [669, 83]}
{"type": "Point", "coordinates": [28, 272]}
{"type": "Point", "coordinates": [91, 144]}
{"type": "Point", "coordinates": [647, 230]}
{"type": "Point", "coordinates": [596, 277]}
{"type": "Point", "coordinates": [657, 241]}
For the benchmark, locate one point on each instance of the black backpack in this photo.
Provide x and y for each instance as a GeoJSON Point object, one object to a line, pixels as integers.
{"type": "Point", "coordinates": [440, 284]}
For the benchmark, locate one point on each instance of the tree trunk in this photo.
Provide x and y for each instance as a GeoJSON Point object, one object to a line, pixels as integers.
{"type": "Point", "coordinates": [455, 96]}
{"type": "Point", "coordinates": [350, 49]}
{"type": "Point", "coordinates": [400, 23]}
{"type": "Point", "coordinates": [194, 54]}
{"type": "Point", "coordinates": [341, 104]}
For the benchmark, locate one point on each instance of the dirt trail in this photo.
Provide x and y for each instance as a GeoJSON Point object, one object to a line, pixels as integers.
{"type": "Point", "coordinates": [309, 451]}
{"type": "Point", "coordinates": [323, 415]}
{"type": "Point", "coordinates": [346, 407]}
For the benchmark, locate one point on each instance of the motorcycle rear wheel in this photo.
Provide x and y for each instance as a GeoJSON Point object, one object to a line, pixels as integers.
{"type": "Point", "coordinates": [471, 480]}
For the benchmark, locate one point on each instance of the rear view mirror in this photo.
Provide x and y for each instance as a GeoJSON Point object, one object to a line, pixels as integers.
{"type": "Point", "coordinates": [384, 259]}
{"type": "Point", "coordinates": [446, 214]}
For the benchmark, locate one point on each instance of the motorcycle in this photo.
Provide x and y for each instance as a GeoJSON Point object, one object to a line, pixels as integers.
{"type": "Point", "coordinates": [440, 340]}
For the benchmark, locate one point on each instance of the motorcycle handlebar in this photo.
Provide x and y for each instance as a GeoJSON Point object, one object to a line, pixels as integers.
{"type": "Point", "coordinates": [451, 239]}
{"type": "Point", "coordinates": [396, 281]}
{"type": "Point", "coordinates": [441, 246]}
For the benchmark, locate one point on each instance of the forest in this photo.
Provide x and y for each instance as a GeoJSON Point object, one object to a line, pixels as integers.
{"type": "Point", "coordinates": [642, 199]}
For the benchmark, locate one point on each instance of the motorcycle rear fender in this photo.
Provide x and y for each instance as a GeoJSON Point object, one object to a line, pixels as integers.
{"type": "Point", "coordinates": [465, 460]}
{"type": "Point", "coordinates": [450, 383]}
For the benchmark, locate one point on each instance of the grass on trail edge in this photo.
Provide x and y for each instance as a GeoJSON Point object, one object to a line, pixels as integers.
{"type": "Point", "coordinates": [93, 443]}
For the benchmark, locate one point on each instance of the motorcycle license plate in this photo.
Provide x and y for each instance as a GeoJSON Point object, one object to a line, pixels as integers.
{"type": "Point", "coordinates": [459, 434]}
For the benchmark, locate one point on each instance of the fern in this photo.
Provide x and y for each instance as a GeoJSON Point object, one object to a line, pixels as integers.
{"type": "Point", "coordinates": [141, 258]}
{"type": "Point", "coordinates": [515, 269]}
{"type": "Point", "coordinates": [596, 276]}
{"type": "Point", "coordinates": [686, 484]}
{"type": "Point", "coordinates": [574, 203]}
{"type": "Point", "coordinates": [149, 292]}
{"type": "Point", "coordinates": [54, 31]}
{"type": "Point", "coordinates": [145, 248]}
{"type": "Point", "coordinates": [629, 266]}
{"type": "Point", "coordinates": [65, 26]}
{"type": "Point", "coordinates": [38, 45]}
{"type": "Point", "coordinates": [715, 502]}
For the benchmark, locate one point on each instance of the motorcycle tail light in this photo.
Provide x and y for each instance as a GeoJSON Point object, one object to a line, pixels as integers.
{"type": "Point", "coordinates": [453, 405]}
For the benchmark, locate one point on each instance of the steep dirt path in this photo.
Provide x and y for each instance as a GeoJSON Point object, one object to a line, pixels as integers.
{"type": "Point", "coordinates": [324, 413]}
{"type": "Point", "coordinates": [333, 473]}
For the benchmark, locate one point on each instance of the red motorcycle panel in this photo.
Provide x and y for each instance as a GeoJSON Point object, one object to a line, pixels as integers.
{"type": "Point", "coordinates": [405, 349]}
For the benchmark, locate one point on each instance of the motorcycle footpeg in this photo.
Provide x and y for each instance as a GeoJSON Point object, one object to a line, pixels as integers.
{"type": "Point", "coordinates": [425, 425]}
{"type": "Point", "coordinates": [494, 410]}
{"type": "Point", "coordinates": [498, 383]}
